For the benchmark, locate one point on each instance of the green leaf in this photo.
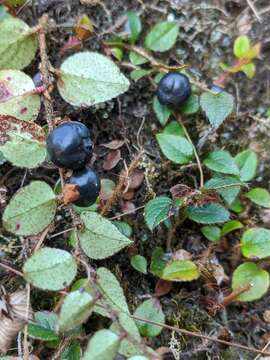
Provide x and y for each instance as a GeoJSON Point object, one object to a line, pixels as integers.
{"type": "Point", "coordinates": [72, 352]}
{"type": "Point", "coordinates": [180, 270]}
{"type": "Point", "coordinates": [158, 262]}
{"type": "Point", "coordinates": [103, 345]}
{"type": "Point", "coordinates": [23, 143]}
{"type": "Point", "coordinates": [16, 95]}
{"type": "Point", "coordinates": [162, 36]}
{"type": "Point", "coordinates": [162, 111]}
{"type": "Point", "coordinates": [157, 210]}
{"type": "Point", "coordinates": [139, 263]}
{"type": "Point", "coordinates": [50, 269]}
{"type": "Point", "coordinates": [100, 238]}
{"type": "Point", "coordinates": [76, 309]}
{"type": "Point", "coordinates": [231, 226]}
{"type": "Point", "coordinates": [43, 326]}
{"type": "Point", "coordinates": [150, 310]}
{"type": "Point", "coordinates": [138, 357]}
{"type": "Point", "coordinates": [89, 78]}
{"type": "Point", "coordinates": [255, 243]}
{"type": "Point", "coordinates": [174, 128]}
{"type": "Point", "coordinates": [134, 25]}
{"type": "Point", "coordinates": [227, 186]}
{"type": "Point", "coordinates": [117, 53]}
{"type": "Point", "coordinates": [259, 196]}
{"type": "Point", "coordinates": [236, 206]}
{"type": "Point", "coordinates": [175, 148]}
{"type": "Point", "coordinates": [249, 70]}
{"type": "Point", "coordinates": [221, 161]}
{"type": "Point", "coordinates": [212, 233]}
{"type": "Point", "coordinates": [217, 106]}
{"type": "Point", "coordinates": [18, 44]}
{"type": "Point", "coordinates": [211, 213]}
{"type": "Point", "coordinates": [137, 59]}
{"type": "Point", "coordinates": [249, 273]}
{"type": "Point", "coordinates": [139, 73]}
{"type": "Point", "coordinates": [191, 105]}
{"type": "Point", "coordinates": [123, 227]}
{"type": "Point", "coordinates": [247, 163]}
{"type": "Point", "coordinates": [241, 46]}
{"type": "Point", "coordinates": [30, 210]}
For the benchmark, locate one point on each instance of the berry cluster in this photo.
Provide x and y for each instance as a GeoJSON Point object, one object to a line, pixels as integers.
{"type": "Point", "coordinates": [70, 146]}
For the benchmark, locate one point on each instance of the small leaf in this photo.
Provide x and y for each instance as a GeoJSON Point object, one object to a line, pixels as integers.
{"type": "Point", "coordinates": [134, 26]}
{"type": "Point", "coordinates": [211, 213]}
{"type": "Point", "coordinates": [253, 52]}
{"type": "Point", "coordinates": [18, 44]}
{"type": "Point", "coordinates": [139, 263]}
{"type": "Point", "coordinates": [17, 97]}
{"type": "Point", "coordinates": [158, 262]}
{"type": "Point", "coordinates": [221, 161]}
{"type": "Point", "coordinates": [191, 105]}
{"type": "Point", "coordinates": [227, 186]}
{"type": "Point", "coordinates": [50, 269]}
{"type": "Point", "coordinates": [150, 310]}
{"type": "Point", "coordinates": [255, 243]}
{"type": "Point", "coordinates": [84, 27]}
{"type": "Point", "coordinates": [123, 227]}
{"type": "Point", "coordinates": [30, 210]}
{"type": "Point", "coordinates": [103, 345]}
{"type": "Point", "coordinates": [100, 238]}
{"type": "Point", "coordinates": [139, 73]}
{"type": "Point", "coordinates": [236, 206]}
{"type": "Point", "coordinates": [22, 143]}
{"type": "Point", "coordinates": [249, 274]}
{"type": "Point", "coordinates": [259, 196]}
{"type": "Point", "coordinates": [162, 36]}
{"type": "Point", "coordinates": [75, 310]}
{"type": "Point", "coordinates": [137, 59]}
{"type": "Point", "coordinates": [43, 327]}
{"type": "Point", "coordinates": [180, 270]}
{"type": "Point", "coordinates": [174, 128]}
{"type": "Point", "coordinates": [249, 70]}
{"type": "Point", "coordinates": [72, 352]}
{"type": "Point", "coordinates": [162, 111]}
{"type": "Point", "coordinates": [157, 210]}
{"type": "Point", "coordinates": [175, 148]}
{"type": "Point", "coordinates": [217, 106]}
{"type": "Point", "coordinates": [241, 46]}
{"type": "Point", "coordinates": [89, 78]}
{"type": "Point", "coordinates": [231, 226]}
{"type": "Point", "coordinates": [247, 163]}
{"type": "Point", "coordinates": [212, 233]}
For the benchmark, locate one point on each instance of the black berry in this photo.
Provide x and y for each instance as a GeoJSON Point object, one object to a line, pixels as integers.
{"type": "Point", "coordinates": [173, 89]}
{"type": "Point", "coordinates": [88, 186]}
{"type": "Point", "coordinates": [69, 145]}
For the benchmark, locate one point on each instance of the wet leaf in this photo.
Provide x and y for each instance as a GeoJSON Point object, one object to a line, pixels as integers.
{"type": "Point", "coordinates": [30, 210]}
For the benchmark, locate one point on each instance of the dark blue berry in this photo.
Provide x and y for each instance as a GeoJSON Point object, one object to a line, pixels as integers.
{"type": "Point", "coordinates": [216, 89]}
{"type": "Point", "coordinates": [173, 89]}
{"type": "Point", "coordinates": [69, 145]}
{"type": "Point", "coordinates": [88, 186]}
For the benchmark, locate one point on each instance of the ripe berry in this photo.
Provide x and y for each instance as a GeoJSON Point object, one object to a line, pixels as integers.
{"type": "Point", "coordinates": [216, 89]}
{"type": "Point", "coordinates": [88, 186]}
{"type": "Point", "coordinates": [173, 89]}
{"type": "Point", "coordinates": [69, 145]}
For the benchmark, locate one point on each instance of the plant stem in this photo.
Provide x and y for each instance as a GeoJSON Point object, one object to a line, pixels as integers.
{"type": "Point", "coordinates": [178, 118]}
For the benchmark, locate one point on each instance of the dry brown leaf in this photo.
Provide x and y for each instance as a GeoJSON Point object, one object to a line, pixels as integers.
{"type": "Point", "coordinates": [181, 255]}
{"type": "Point", "coordinates": [112, 159]}
{"type": "Point", "coordinates": [70, 193]}
{"type": "Point", "coordinates": [114, 144]}
{"type": "Point", "coordinates": [135, 180]}
{"type": "Point", "coordinates": [162, 287]}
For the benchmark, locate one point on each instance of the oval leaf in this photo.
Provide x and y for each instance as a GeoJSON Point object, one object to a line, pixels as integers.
{"type": "Point", "coordinates": [89, 78]}
{"type": "Point", "coordinates": [231, 226]}
{"type": "Point", "coordinates": [30, 210]}
{"type": "Point", "coordinates": [16, 95]}
{"type": "Point", "coordinates": [221, 161]}
{"type": "Point", "coordinates": [50, 269]}
{"type": "Point", "coordinates": [250, 274]}
{"type": "Point", "coordinates": [259, 196]}
{"type": "Point", "coordinates": [75, 310]}
{"type": "Point", "coordinates": [241, 46]}
{"type": "Point", "coordinates": [255, 243]}
{"type": "Point", "coordinates": [100, 238]}
{"type": "Point", "coordinates": [212, 233]}
{"type": "Point", "coordinates": [175, 148]}
{"type": "Point", "coordinates": [22, 143]}
{"type": "Point", "coordinates": [139, 263]}
{"type": "Point", "coordinates": [162, 111]}
{"type": "Point", "coordinates": [180, 270]}
{"type": "Point", "coordinates": [217, 106]}
{"type": "Point", "coordinates": [103, 345]}
{"type": "Point", "coordinates": [247, 163]}
{"type": "Point", "coordinates": [18, 44]}
{"type": "Point", "coordinates": [211, 213]}
{"type": "Point", "coordinates": [43, 327]}
{"type": "Point", "coordinates": [162, 36]}
{"type": "Point", "coordinates": [157, 211]}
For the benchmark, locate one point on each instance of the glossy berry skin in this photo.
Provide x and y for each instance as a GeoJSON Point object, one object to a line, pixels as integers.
{"type": "Point", "coordinates": [88, 185]}
{"type": "Point", "coordinates": [69, 145]}
{"type": "Point", "coordinates": [173, 89]}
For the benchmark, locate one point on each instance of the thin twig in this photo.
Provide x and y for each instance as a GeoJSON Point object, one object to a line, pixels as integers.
{"type": "Point", "coordinates": [10, 269]}
{"type": "Point", "coordinates": [178, 118]}
{"type": "Point", "coordinates": [263, 349]}
{"type": "Point", "coordinates": [254, 10]}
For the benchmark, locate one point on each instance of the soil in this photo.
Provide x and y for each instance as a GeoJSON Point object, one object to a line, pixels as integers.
{"type": "Point", "coordinates": [207, 32]}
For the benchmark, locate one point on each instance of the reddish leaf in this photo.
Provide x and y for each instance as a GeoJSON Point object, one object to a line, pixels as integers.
{"type": "Point", "coordinates": [72, 44]}
{"type": "Point", "coordinates": [83, 27]}
{"type": "Point", "coordinates": [128, 195]}
{"type": "Point", "coordinates": [162, 287]}
{"type": "Point", "coordinates": [128, 207]}
{"type": "Point", "coordinates": [135, 180]}
{"type": "Point", "coordinates": [181, 190]}
{"type": "Point", "coordinates": [114, 144]}
{"type": "Point", "coordinates": [112, 159]}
